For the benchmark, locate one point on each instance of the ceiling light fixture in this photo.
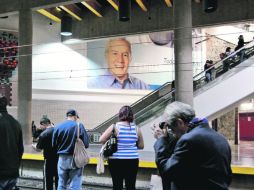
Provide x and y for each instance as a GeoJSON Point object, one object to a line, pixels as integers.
{"type": "Point", "coordinates": [210, 6]}
{"type": "Point", "coordinates": [124, 10]}
{"type": "Point", "coordinates": [66, 26]}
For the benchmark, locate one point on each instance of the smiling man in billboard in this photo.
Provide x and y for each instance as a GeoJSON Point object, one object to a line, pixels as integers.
{"type": "Point", "coordinates": [118, 56]}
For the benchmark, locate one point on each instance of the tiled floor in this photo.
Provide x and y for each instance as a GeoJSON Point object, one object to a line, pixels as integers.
{"type": "Point", "coordinates": [243, 154]}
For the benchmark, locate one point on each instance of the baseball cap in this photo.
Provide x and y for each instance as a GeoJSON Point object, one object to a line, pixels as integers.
{"type": "Point", "coordinates": [44, 120]}
{"type": "Point", "coordinates": [72, 112]}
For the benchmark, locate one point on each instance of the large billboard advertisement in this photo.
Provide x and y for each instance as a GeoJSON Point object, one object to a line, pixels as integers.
{"type": "Point", "coordinates": [130, 62]}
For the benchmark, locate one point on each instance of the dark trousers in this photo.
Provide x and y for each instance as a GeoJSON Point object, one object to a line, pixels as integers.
{"type": "Point", "coordinates": [50, 171]}
{"type": "Point", "coordinates": [123, 169]}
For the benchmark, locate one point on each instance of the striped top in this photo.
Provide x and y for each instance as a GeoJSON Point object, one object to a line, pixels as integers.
{"type": "Point", "coordinates": [126, 145]}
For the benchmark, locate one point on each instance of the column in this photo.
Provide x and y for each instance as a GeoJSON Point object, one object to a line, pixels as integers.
{"type": "Point", "coordinates": [183, 51]}
{"type": "Point", "coordinates": [25, 73]}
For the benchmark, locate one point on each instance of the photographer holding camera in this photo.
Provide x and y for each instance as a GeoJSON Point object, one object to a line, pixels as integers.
{"type": "Point", "coordinates": [201, 158]}
{"type": "Point", "coordinates": [50, 157]}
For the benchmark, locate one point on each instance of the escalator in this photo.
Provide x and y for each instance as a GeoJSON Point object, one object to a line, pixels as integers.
{"type": "Point", "coordinates": [229, 88]}
{"type": "Point", "coordinates": [208, 99]}
{"type": "Point", "coordinates": [154, 102]}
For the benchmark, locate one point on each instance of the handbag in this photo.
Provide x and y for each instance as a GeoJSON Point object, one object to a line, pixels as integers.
{"type": "Point", "coordinates": [110, 146]}
{"type": "Point", "coordinates": [80, 154]}
{"type": "Point", "coordinates": [138, 141]}
{"type": "Point", "coordinates": [100, 164]}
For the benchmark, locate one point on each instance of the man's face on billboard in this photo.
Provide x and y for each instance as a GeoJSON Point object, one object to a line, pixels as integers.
{"type": "Point", "coordinates": [118, 58]}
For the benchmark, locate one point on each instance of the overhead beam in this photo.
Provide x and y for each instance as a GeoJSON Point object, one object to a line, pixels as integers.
{"type": "Point", "coordinates": [142, 4]}
{"type": "Point", "coordinates": [11, 6]}
{"type": "Point", "coordinates": [48, 3]}
{"type": "Point", "coordinates": [169, 3]}
{"type": "Point", "coordinates": [113, 3]}
{"type": "Point", "coordinates": [93, 6]}
{"type": "Point", "coordinates": [52, 13]}
{"type": "Point", "coordinates": [160, 19]}
{"type": "Point", "coordinates": [72, 10]}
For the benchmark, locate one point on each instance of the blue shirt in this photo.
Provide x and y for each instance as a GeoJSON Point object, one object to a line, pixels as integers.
{"type": "Point", "coordinates": [109, 81]}
{"type": "Point", "coordinates": [65, 135]}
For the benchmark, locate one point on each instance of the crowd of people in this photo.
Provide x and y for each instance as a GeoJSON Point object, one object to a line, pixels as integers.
{"type": "Point", "coordinates": [57, 143]}
{"type": "Point", "coordinates": [188, 153]}
{"type": "Point", "coordinates": [209, 65]}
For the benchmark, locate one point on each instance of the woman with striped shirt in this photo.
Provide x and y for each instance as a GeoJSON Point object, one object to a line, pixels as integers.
{"type": "Point", "coordinates": [123, 164]}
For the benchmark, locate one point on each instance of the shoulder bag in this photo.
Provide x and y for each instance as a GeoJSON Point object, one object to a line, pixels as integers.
{"type": "Point", "coordinates": [110, 146]}
{"type": "Point", "coordinates": [100, 164]}
{"type": "Point", "coordinates": [80, 154]}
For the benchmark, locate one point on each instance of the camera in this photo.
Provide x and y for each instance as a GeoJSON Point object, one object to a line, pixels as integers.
{"type": "Point", "coordinates": [36, 131]}
{"type": "Point", "coordinates": [163, 125]}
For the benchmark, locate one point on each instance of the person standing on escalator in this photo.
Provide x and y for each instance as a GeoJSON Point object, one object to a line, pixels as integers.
{"type": "Point", "coordinates": [226, 62]}
{"type": "Point", "coordinates": [240, 44]}
{"type": "Point", "coordinates": [208, 70]}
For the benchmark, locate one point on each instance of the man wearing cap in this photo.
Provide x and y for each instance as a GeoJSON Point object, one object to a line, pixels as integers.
{"type": "Point", "coordinates": [49, 153]}
{"type": "Point", "coordinates": [201, 158]}
{"type": "Point", "coordinates": [64, 137]}
{"type": "Point", "coordinates": [11, 147]}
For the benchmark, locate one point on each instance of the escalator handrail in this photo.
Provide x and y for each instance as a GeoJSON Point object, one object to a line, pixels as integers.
{"type": "Point", "coordinates": [159, 101]}
{"type": "Point", "coordinates": [135, 103]}
{"type": "Point", "coordinates": [149, 94]}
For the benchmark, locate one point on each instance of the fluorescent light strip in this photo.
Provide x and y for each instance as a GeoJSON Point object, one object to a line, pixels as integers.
{"type": "Point", "coordinates": [112, 2]}
{"type": "Point", "coordinates": [168, 2]}
{"type": "Point", "coordinates": [92, 9]}
{"type": "Point", "coordinates": [71, 13]}
{"type": "Point", "coordinates": [49, 15]}
{"type": "Point", "coordinates": [141, 4]}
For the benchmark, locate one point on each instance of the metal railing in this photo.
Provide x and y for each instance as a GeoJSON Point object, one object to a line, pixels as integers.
{"type": "Point", "coordinates": [224, 65]}
{"type": "Point", "coordinates": [139, 105]}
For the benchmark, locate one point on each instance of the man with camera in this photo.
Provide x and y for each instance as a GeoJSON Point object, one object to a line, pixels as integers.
{"type": "Point", "coordinates": [45, 143]}
{"type": "Point", "coordinates": [201, 157]}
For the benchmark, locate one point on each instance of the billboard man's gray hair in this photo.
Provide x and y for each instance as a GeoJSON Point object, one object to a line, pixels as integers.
{"type": "Point", "coordinates": [178, 110]}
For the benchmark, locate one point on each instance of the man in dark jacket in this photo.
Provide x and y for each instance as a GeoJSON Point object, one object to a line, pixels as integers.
{"type": "Point", "coordinates": [11, 147]}
{"type": "Point", "coordinates": [64, 138]}
{"type": "Point", "coordinates": [50, 157]}
{"type": "Point", "coordinates": [201, 158]}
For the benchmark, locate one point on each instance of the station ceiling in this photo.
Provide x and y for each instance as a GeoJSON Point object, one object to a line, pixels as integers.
{"type": "Point", "coordinates": [96, 7]}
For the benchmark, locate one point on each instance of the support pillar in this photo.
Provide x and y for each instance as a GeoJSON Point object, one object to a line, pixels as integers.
{"type": "Point", "coordinates": [183, 51]}
{"type": "Point", "coordinates": [25, 73]}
